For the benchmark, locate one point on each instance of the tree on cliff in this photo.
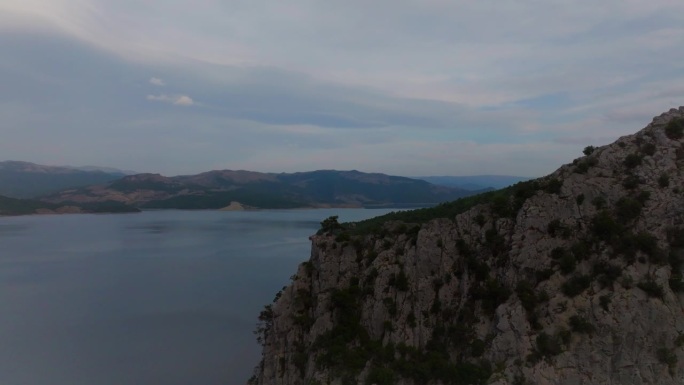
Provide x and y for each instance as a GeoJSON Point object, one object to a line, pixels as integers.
{"type": "Point", "coordinates": [330, 225]}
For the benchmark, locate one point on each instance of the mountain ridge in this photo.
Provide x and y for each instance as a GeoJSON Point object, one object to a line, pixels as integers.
{"type": "Point", "coordinates": [572, 278]}
{"type": "Point", "coordinates": [217, 189]}
{"type": "Point", "coordinates": [19, 179]}
{"type": "Point", "coordinates": [474, 182]}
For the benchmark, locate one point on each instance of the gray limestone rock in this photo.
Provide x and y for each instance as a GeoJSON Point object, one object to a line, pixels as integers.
{"type": "Point", "coordinates": [579, 284]}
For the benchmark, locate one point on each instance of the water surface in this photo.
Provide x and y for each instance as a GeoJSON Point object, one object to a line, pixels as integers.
{"type": "Point", "coordinates": [161, 297]}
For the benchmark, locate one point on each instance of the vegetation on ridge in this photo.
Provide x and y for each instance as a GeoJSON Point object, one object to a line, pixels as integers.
{"type": "Point", "coordinates": [506, 202]}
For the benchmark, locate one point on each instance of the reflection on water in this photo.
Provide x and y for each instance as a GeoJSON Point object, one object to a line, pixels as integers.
{"type": "Point", "coordinates": [162, 297]}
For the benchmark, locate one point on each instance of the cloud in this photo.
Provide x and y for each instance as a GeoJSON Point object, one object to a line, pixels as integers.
{"type": "Point", "coordinates": [157, 82]}
{"type": "Point", "coordinates": [178, 100]}
{"type": "Point", "coordinates": [183, 100]}
{"type": "Point", "coordinates": [386, 82]}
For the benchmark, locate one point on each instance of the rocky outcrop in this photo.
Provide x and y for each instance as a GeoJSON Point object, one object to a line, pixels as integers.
{"type": "Point", "coordinates": [575, 278]}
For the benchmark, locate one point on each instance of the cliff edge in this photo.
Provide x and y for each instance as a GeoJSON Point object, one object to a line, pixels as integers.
{"type": "Point", "coordinates": [574, 278]}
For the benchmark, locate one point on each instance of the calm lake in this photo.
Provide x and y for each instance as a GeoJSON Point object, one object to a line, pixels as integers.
{"type": "Point", "coordinates": [157, 298]}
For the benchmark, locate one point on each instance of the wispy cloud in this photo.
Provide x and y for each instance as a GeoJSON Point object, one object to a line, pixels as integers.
{"type": "Point", "coordinates": [409, 87]}
{"type": "Point", "coordinates": [178, 100]}
{"type": "Point", "coordinates": [157, 82]}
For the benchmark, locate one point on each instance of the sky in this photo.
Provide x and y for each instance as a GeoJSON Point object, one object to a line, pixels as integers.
{"type": "Point", "coordinates": [404, 87]}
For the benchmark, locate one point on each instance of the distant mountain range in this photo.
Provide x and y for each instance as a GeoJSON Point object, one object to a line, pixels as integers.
{"type": "Point", "coordinates": [108, 170]}
{"type": "Point", "coordinates": [31, 188]}
{"type": "Point", "coordinates": [217, 189]}
{"type": "Point", "coordinates": [475, 182]}
{"type": "Point", "coordinates": [30, 180]}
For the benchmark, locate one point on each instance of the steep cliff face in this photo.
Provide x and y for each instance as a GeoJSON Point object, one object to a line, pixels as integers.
{"type": "Point", "coordinates": [575, 278]}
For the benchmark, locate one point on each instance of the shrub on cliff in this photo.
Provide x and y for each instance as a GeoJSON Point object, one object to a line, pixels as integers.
{"type": "Point", "coordinates": [675, 129]}
{"type": "Point", "coordinates": [330, 225]}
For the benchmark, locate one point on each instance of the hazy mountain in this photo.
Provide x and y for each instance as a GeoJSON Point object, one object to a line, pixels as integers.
{"type": "Point", "coordinates": [474, 182]}
{"type": "Point", "coordinates": [217, 189]}
{"type": "Point", "coordinates": [29, 180]}
{"type": "Point", "coordinates": [108, 170]}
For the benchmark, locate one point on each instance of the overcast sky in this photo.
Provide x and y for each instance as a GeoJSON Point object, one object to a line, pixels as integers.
{"type": "Point", "coordinates": [408, 87]}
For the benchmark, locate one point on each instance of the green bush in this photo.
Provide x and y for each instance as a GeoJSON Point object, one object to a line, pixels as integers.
{"type": "Point", "coordinates": [543, 275]}
{"type": "Point", "coordinates": [567, 263]}
{"type": "Point", "coordinates": [599, 202]}
{"type": "Point", "coordinates": [501, 206]}
{"type": "Point", "coordinates": [648, 149]}
{"type": "Point", "coordinates": [548, 346]}
{"type": "Point", "coordinates": [463, 248]}
{"type": "Point", "coordinates": [588, 150]}
{"type": "Point", "coordinates": [632, 160]}
{"type": "Point", "coordinates": [436, 307]}
{"type": "Point", "coordinates": [679, 341]}
{"type": "Point", "coordinates": [556, 228]}
{"type": "Point", "coordinates": [607, 273]}
{"type": "Point", "coordinates": [479, 268]}
{"type": "Point", "coordinates": [343, 237]}
{"type": "Point", "coordinates": [643, 197]}
{"type": "Point", "coordinates": [370, 256]}
{"type": "Point", "coordinates": [558, 253]}
{"type": "Point", "coordinates": [669, 358]}
{"type": "Point", "coordinates": [264, 325]}
{"type": "Point", "coordinates": [675, 129]}
{"type": "Point", "coordinates": [300, 359]}
{"type": "Point", "coordinates": [580, 250]}
{"type": "Point", "coordinates": [527, 296]}
{"type": "Point", "coordinates": [585, 164]}
{"type": "Point", "coordinates": [580, 325]}
{"type": "Point", "coordinates": [380, 376]}
{"type": "Point", "coordinates": [646, 242]}
{"type": "Point", "coordinates": [553, 186]}
{"type": "Point", "coordinates": [664, 180]}
{"type": "Point", "coordinates": [400, 229]}
{"type": "Point", "coordinates": [605, 227]}
{"type": "Point", "coordinates": [675, 236]}
{"type": "Point", "coordinates": [631, 182]}
{"type": "Point", "coordinates": [330, 225]}
{"type": "Point", "coordinates": [411, 320]}
{"type": "Point", "coordinates": [491, 294]}
{"type": "Point", "coordinates": [390, 305]}
{"type": "Point", "coordinates": [627, 209]}
{"type": "Point", "coordinates": [676, 283]}
{"type": "Point", "coordinates": [576, 285]}
{"type": "Point", "coordinates": [651, 288]}
{"type": "Point", "coordinates": [402, 282]}
{"type": "Point", "coordinates": [477, 347]}
{"type": "Point", "coordinates": [495, 241]}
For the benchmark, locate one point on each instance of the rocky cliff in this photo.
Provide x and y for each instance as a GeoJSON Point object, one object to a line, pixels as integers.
{"type": "Point", "coordinates": [574, 278]}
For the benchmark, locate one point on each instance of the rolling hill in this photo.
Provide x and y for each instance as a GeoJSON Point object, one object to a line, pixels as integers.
{"type": "Point", "coordinates": [217, 189]}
